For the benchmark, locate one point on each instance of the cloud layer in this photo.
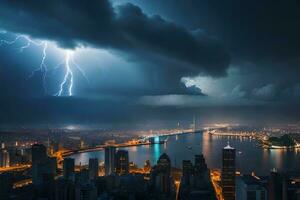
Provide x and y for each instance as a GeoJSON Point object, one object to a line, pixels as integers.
{"type": "Point", "coordinates": [125, 29]}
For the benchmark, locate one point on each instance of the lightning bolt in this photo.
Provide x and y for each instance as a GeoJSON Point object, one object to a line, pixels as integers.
{"type": "Point", "coordinates": [42, 68]}
{"type": "Point", "coordinates": [66, 85]}
{"type": "Point", "coordinates": [68, 77]}
{"type": "Point", "coordinates": [21, 37]}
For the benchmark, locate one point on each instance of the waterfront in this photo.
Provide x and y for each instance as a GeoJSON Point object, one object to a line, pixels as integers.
{"type": "Point", "coordinates": [250, 155]}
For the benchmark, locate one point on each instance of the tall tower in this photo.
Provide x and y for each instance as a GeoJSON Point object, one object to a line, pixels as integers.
{"type": "Point", "coordinates": [43, 167]}
{"type": "Point", "coordinates": [93, 168]}
{"type": "Point", "coordinates": [163, 178]}
{"type": "Point", "coordinates": [200, 164]}
{"type": "Point", "coordinates": [4, 158]}
{"type": "Point", "coordinates": [110, 153]}
{"type": "Point", "coordinates": [69, 169]}
{"type": "Point", "coordinates": [228, 173]}
{"type": "Point", "coordinates": [122, 162]}
{"type": "Point", "coordinates": [187, 172]}
{"type": "Point", "coordinates": [39, 152]}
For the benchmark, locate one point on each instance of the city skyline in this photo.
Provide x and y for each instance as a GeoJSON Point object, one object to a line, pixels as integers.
{"type": "Point", "coordinates": [151, 100]}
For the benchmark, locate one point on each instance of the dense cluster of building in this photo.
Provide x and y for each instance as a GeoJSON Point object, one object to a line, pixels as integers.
{"type": "Point", "coordinates": [10, 156]}
{"type": "Point", "coordinates": [195, 181]}
{"type": "Point", "coordinates": [120, 179]}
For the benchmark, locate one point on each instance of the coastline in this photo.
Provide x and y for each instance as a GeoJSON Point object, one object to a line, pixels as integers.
{"type": "Point", "coordinates": [264, 144]}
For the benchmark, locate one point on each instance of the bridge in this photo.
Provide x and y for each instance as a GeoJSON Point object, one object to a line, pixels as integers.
{"type": "Point", "coordinates": [145, 140]}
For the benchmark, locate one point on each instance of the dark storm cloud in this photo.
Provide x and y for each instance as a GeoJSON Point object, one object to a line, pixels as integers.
{"type": "Point", "coordinates": [256, 29]}
{"type": "Point", "coordinates": [125, 29]}
{"type": "Point", "coordinates": [261, 36]}
{"type": "Point", "coordinates": [275, 92]}
{"type": "Point", "coordinates": [264, 33]}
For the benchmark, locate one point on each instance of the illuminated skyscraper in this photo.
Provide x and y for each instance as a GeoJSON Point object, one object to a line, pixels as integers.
{"type": "Point", "coordinates": [4, 158]}
{"type": "Point", "coordinates": [2, 145]}
{"type": "Point", "coordinates": [110, 153]}
{"type": "Point", "coordinates": [122, 162]}
{"type": "Point", "coordinates": [228, 173]}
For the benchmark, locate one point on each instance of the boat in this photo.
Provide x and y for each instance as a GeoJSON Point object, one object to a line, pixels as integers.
{"type": "Point", "coordinates": [189, 147]}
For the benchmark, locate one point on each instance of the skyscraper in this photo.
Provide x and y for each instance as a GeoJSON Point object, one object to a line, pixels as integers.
{"type": "Point", "coordinates": [110, 152]}
{"type": "Point", "coordinates": [161, 175]}
{"type": "Point", "coordinates": [43, 167]}
{"type": "Point", "coordinates": [68, 169]}
{"type": "Point", "coordinates": [228, 173]}
{"type": "Point", "coordinates": [4, 158]}
{"type": "Point", "coordinates": [93, 168]}
{"type": "Point", "coordinates": [39, 152]}
{"type": "Point", "coordinates": [122, 162]}
{"type": "Point", "coordinates": [200, 164]}
{"type": "Point", "coordinates": [187, 171]}
{"type": "Point", "coordinates": [2, 145]}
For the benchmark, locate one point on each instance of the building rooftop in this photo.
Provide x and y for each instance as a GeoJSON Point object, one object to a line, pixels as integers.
{"type": "Point", "coordinates": [228, 146]}
{"type": "Point", "coordinates": [164, 156]}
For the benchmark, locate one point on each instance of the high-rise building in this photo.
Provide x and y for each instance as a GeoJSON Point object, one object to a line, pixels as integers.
{"type": "Point", "coordinates": [52, 165]}
{"type": "Point", "coordinates": [93, 168]}
{"type": "Point", "coordinates": [110, 152]}
{"type": "Point", "coordinates": [195, 180]}
{"type": "Point", "coordinates": [43, 167]}
{"type": "Point", "coordinates": [187, 171]}
{"type": "Point", "coordinates": [6, 185]}
{"type": "Point", "coordinates": [44, 171]}
{"type": "Point", "coordinates": [39, 152]}
{"type": "Point", "coordinates": [4, 158]}
{"type": "Point", "coordinates": [228, 173]}
{"type": "Point", "coordinates": [122, 162]}
{"type": "Point", "coordinates": [200, 164]}
{"type": "Point", "coordinates": [2, 145]}
{"type": "Point", "coordinates": [69, 169]}
{"type": "Point", "coordinates": [161, 175]}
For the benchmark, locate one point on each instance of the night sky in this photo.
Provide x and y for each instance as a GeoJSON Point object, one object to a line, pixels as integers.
{"type": "Point", "coordinates": [141, 62]}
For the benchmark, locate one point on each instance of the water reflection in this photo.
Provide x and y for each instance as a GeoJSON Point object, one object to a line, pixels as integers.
{"type": "Point", "coordinates": [276, 157]}
{"type": "Point", "coordinates": [250, 156]}
{"type": "Point", "coordinates": [156, 148]}
{"type": "Point", "coordinates": [206, 141]}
